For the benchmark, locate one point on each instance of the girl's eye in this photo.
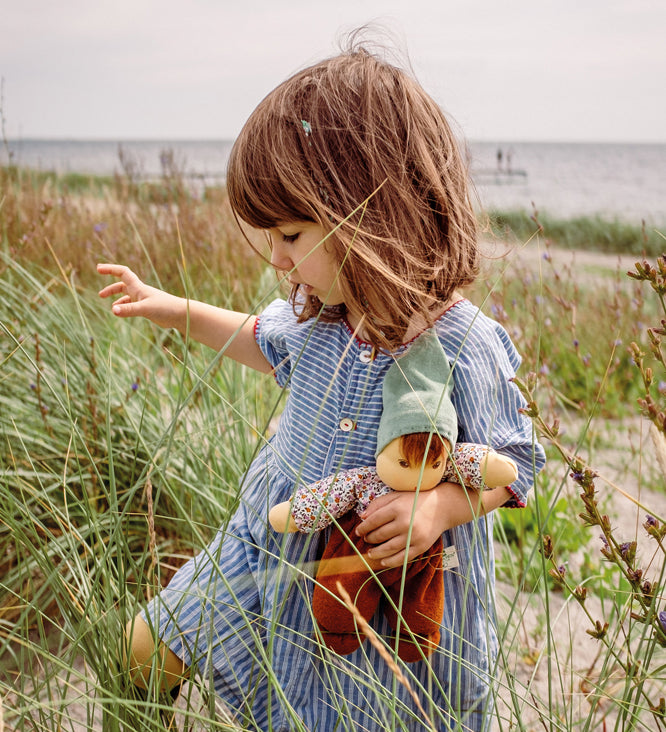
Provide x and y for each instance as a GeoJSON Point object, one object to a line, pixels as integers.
{"type": "Point", "coordinates": [289, 238]}
{"type": "Point", "coordinates": [436, 465]}
{"type": "Point", "coordinates": [403, 463]}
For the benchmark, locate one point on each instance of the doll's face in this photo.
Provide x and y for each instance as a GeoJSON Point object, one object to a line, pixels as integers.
{"type": "Point", "coordinates": [397, 473]}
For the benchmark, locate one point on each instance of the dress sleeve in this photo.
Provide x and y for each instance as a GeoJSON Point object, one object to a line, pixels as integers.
{"type": "Point", "coordinates": [489, 404]}
{"type": "Point", "coordinates": [271, 331]}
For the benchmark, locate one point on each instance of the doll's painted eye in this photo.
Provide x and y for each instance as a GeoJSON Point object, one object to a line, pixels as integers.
{"type": "Point", "coordinates": [437, 464]}
{"type": "Point", "coordinates": [403, 463]}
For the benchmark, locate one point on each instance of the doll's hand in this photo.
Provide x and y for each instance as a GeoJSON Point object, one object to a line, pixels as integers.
{"type": "Point", "coordinates": [139, 299]}
{"type": "Point", "coordinates": [387, 519]}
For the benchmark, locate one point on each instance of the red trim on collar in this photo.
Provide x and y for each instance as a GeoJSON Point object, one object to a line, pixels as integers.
{"type": "Point", "coordinates": [361, 342]}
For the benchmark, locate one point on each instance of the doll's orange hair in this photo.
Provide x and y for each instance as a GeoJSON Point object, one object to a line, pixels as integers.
{"type": "Point", "coordinates": [414, 446]}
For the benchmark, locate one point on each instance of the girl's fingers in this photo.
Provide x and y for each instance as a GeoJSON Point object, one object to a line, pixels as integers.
{"type": "Point", "coordinates": [380, 534]}
{"type": "Point", "coordinates": [112, 289]}
{"type": "Point", "coordinates": [120, 311]}
{"type": "Point", "coordinates": [125, 308]}
{"type": "Point", "coordinates": [387, 548]}
{"type": "Point", "coordinates": [395, 560]}
{"type": "Point", "coordinates": [117, 270]}
{"type": "Point", "coordinates": [390, 554]}
{"type": "Point", "coordinates": [120, 272]}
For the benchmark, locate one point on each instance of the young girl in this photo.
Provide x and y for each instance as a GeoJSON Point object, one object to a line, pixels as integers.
{"type": "Point", "coordinates": [354, 172]}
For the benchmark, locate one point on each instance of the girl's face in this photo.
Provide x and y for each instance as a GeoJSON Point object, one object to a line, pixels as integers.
{"type": "Point", "coordinates": [298, 250]}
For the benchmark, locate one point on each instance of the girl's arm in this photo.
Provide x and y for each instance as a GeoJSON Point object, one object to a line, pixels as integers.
{"type": "Point", "coordinates": [387, 519]}
{"type": "Point", "coordinates": [204, 323]}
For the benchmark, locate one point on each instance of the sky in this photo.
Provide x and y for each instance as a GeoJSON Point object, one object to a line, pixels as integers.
{"type": "Point", "coordinates": [524, 70]}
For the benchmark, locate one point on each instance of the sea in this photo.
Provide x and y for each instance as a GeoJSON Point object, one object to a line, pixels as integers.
{"type": "Point", "coordinates": [625, 182]}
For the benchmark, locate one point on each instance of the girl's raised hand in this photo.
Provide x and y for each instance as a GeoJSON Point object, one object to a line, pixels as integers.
{"type": "Point", "coordinates": [138, 299]}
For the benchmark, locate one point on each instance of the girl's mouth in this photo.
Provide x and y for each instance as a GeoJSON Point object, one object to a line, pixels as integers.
{"type": "Point", "coordinates": [305, 288]}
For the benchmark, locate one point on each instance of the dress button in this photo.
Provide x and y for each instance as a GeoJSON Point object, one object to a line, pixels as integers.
{"type": "Point", "coordinates": [365, 356]}
{"type": "Point", "coordinates": [346, 424]}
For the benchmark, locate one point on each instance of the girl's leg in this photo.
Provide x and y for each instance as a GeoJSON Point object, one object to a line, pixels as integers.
{"type": "Point", "coordinates": [144, 655]}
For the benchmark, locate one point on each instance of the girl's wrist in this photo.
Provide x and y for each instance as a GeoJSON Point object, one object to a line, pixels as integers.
{"type": "Point", "coordinates": [459, 505]}
{"type": "Point", "coordinates": [456, 505]}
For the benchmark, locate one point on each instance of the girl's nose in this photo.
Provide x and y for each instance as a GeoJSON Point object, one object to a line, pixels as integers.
{"type": "Point", "coordinates": [279, 258]}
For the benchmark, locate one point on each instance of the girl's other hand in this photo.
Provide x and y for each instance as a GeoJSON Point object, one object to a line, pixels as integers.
{"type": "Point", "coordinates": [139, 299]}
{"type": "Point", "coordinates": [387, 519]}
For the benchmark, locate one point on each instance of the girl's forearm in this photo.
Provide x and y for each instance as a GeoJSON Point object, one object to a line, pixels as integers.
{"type": "Point", "coordinates": [460, 505]}
{"type": "Point", "coordinates": [221, 329]}
{"type": "Point", "coordinates": [207, 324]}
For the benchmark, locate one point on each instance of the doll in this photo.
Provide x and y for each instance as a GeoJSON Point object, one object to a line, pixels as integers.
{"type": "Point", "coordinates": [414, 441]}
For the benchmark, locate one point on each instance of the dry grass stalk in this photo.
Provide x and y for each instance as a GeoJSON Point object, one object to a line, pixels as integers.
{"type": "Point", "coordinates": [152, 536]}
{"type": "Point", "coordinates": [381, 649]}
{"type": "Point", "coordinates": [659, 442]}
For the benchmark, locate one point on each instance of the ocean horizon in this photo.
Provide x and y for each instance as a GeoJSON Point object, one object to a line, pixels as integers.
{"type": "Point", "coordinates": [623, 181]}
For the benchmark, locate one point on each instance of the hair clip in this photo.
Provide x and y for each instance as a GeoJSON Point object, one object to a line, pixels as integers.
{"type": "Point", "coordinates": [323, 192]}
{"type": "Point", "coordinates": [306, 127]}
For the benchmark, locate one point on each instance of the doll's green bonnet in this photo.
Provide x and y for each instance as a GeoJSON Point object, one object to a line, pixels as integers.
{"type": "Point", "coordinates": [417, 394]}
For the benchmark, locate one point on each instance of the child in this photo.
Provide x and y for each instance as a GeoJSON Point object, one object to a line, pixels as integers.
{"type": "Point", "coordinates": [354, 172]}
{"type": "Point", "coordinates": [415, 451]}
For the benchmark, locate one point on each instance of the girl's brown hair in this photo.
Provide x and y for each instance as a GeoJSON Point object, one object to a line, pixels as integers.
{"type": "Point", "coordinates": [356, 145]}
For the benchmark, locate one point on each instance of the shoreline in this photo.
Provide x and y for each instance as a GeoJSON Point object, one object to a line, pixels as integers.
{"type": "Point", "coordinates": [537, 255]}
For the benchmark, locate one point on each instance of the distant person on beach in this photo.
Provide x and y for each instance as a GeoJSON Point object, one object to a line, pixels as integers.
{"type": "Point", "coordinates": [353, 172]}
{"type": "Point", "coordinates": [509, 157]}
{"type": "Point", "coordinates": [499, 159]}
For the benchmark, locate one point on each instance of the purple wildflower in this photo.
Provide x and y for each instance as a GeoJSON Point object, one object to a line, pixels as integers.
{"type": "Point", "coordinates": [662, 620]}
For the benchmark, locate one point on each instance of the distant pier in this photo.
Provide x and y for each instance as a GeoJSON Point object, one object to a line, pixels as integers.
{"type": "Point", "coordinates": [493, 176]}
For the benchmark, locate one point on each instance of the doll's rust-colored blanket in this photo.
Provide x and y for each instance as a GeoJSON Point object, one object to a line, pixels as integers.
{"type": "Point", "coordinates": [423, 597]}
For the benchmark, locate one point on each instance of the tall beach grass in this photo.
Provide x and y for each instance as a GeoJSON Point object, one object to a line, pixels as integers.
{"type": "Point", "coordinates": [122, 448]}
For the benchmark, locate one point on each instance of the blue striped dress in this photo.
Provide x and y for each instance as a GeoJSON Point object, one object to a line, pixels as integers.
{"type": "Point", "coordinates": [240, 611]}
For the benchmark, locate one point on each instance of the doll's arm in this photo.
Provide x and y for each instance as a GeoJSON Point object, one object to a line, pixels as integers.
{"type": "Point", "coordinates": [281, 519]}
{"type": "Point", "coordinates": [480, 467]}
{"type": "Point", "coordinates": [314, 506]}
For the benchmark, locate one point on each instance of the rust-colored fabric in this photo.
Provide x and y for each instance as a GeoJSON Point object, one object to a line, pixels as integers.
{"type": "Point", "coordinates": [423, 598]}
